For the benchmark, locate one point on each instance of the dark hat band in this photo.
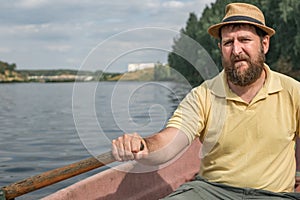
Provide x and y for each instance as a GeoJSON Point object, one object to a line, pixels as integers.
{"type": "Point", "coordinates": [242, 18]}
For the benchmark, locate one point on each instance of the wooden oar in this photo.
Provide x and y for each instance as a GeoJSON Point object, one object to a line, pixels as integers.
{"type": "Point", "coordinates": [47, 178]}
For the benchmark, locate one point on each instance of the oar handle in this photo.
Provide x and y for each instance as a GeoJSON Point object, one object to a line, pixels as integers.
{"type": "Point", "coordinates": [50, 177]}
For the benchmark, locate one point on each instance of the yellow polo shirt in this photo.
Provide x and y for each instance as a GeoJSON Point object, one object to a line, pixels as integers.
{"type": "Point", "coordinates": [244, 145]}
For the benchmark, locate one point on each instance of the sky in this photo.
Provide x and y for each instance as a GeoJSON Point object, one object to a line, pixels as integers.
{"type": "Point", "coordinates": [91, 34]}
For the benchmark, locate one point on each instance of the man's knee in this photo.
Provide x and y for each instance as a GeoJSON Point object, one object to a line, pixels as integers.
{"type": "Point", "coordinates": [185, 191]}
{"type": "Point", "coordinates": [197, 189]}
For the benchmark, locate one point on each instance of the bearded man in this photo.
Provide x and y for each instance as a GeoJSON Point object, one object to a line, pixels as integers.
{"type": "Point", "coordinates": [247, 118]}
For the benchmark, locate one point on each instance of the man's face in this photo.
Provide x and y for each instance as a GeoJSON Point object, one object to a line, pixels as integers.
{"type": "Point", "coordinates": [243, 53]}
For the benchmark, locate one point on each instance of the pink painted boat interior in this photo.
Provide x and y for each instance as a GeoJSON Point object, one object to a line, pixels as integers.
{"type": "Point", "coordinates": [114, 184]}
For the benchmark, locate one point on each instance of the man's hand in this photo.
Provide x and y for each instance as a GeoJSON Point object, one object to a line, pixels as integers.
{"type": "Point", "coordinates": [156, 149]}
{"type": "Point", "coordinates": [129, 147]}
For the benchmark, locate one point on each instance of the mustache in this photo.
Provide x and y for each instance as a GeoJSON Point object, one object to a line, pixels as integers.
{"type": "Point", "coordinates": [240, 57]}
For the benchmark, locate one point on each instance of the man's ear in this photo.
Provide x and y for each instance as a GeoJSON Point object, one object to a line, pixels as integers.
{"type": "Point", "coordinates": [219, 45]}
{"type": "Point", "coordinates": [266, 43]}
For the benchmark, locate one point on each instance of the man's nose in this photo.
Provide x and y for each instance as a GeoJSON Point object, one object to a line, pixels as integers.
{"type": "Point", "coordinates": [237, 48]}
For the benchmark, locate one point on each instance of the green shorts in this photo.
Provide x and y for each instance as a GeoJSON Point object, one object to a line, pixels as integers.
{"type": "Point", "coordinates": [202, 189]}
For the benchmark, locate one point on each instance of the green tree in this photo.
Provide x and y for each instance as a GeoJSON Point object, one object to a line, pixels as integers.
{"type": "Point", "coordinates": [285, 44]}
{"type": "Point", "coordinates": [162, 72]}
{"type": "Point", "coordinates": [175, 59]}
{"type": "Point", "coordinates": [6, 66]}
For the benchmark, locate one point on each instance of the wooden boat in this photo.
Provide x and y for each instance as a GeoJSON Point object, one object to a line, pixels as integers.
{"type": "Point", "coordinates": [113, 184]}
{"type": "Point", "coordinates": [116, 184]}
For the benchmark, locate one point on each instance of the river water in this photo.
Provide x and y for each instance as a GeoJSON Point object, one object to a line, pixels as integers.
{"type": "Point", "coordinates": [48, 125]}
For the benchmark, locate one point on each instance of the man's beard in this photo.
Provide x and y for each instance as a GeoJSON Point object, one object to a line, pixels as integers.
{"type": "Point", "coordinates": [247, 76]}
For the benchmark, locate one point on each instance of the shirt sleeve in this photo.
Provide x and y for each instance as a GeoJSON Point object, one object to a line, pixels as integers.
{"type": "Point", "coordinates": [298, 156]}
{"type": "Point", "coordinates": [298, 123]}
{"type": "Point", "coordinates": [297, 100]}
{"type": "Point", "coordinates": [189, 115]}
{"type": "Point", "coordinates": [298, 134]}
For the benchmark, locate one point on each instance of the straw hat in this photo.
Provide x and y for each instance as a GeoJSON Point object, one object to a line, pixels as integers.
{"type": "Point", "coordinates": [241, 13]}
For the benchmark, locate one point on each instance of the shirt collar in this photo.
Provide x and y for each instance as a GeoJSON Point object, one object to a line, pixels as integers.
{"type": "Point", "coordinates": [273, 83]}
{"type": "Point", "coordinates": [219, 86]}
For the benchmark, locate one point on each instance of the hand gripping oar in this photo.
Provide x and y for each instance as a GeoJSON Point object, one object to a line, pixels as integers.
{"type": "Point", "coordinates": [50, 177]}
{"type": "Point", "coordinates": [56, 175]}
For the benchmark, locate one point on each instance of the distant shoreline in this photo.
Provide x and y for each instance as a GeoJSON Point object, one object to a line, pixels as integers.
{"type": "Point", "coordinates": [60, 76]}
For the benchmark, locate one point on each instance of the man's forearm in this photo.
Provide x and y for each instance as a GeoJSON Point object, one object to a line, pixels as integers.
{"type": "Point", "coordinates": [164, 146]}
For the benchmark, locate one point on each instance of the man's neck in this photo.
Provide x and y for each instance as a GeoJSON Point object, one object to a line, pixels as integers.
{"type": "Point", "coordinates": [247, 93]}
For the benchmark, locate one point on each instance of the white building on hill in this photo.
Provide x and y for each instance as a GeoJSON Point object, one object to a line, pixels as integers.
{"type": "Point", "coordinates": [140, 66]}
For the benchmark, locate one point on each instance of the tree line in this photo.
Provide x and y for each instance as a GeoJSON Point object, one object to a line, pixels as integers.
{"type": "Point", "coordinates": [283, 16]}
{"type": "Point", "coordinates": [4, 66]}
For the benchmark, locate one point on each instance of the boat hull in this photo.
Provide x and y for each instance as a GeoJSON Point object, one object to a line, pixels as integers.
{"type": "Point", "coordinates": [124, 181]}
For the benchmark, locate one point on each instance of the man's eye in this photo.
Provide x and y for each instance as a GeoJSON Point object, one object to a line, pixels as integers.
{"type": "Point", "coordinates": [246, 40]}
{"type": "Point", "coordinates": [227, 43]}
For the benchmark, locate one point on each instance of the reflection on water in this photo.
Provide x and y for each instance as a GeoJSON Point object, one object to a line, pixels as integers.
{"type": "Point", "coordinates": [38, 133]}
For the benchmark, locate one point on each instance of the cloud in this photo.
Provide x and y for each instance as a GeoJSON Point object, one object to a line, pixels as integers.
{"type": "Point", "coordinates": [41, 33]}
{"type": "Point", "coordinates": [59, 48]}
{"type": "Point", "coordinates": [173, 4]}
{"type": "Point", "coordinates": [5, 50]}
{"type": "Point", "coordinates": [30, 3]}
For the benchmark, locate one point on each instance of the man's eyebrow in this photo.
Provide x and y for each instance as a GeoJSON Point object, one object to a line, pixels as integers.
{"type": "Point", "coordinates": [224, 40]}
{"type": "Point", "coordinates": [245, 36]}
